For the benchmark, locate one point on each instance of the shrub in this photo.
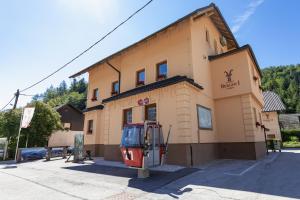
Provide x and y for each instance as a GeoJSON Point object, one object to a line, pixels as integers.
{"type": "Point", "coordinates": [290, 135]}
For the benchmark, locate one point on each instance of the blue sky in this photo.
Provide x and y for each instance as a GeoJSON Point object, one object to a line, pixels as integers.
{"type": "Point", "coordinates": [37, 36]}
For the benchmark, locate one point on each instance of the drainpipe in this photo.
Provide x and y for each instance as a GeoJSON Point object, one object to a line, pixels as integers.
{"type": "Point", "coordinates": [119, 73]}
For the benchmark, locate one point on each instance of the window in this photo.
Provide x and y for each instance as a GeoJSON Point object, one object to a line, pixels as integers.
{"type": "Point", "coordinates": [150, 112]}
{"type": "Point", "coordinates": [260, 119]}
{"type": "Point", "coordinates": [140, 77]}
{"type": "Point", "coordinates": [115, 88]}
{"type": "Point", "coordinates": [95, 94]}
{"type": "Point", "coordinates": [127, 116]}
{"type": "Point", "coordinates": [90, 126]}
{"type": "Point", "coordinates": [162, 70]}
{"type": "Point", "coordinates": [255, 115]}
{"type": "Point", "coordinates": [216, 47]}
{"type": "Point", "coordinates": [204, 117]}
{"type": "Point", "coordinates": [207, 35]}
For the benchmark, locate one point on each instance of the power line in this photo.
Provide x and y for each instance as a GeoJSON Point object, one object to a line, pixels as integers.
{"type": "Point", "coordinates": [7, 104]}
{"type": "Point", "coordinates": [89, 48]}
{"type": "Point", "coordinates": [28, 95]}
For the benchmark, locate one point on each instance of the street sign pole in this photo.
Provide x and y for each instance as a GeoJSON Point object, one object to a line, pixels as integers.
{"type": "Point", "coordinates": [16, 153]}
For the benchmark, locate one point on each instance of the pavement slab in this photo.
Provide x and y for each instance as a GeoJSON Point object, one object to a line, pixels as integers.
{"type": "Point", "coordinates": [275, 177]}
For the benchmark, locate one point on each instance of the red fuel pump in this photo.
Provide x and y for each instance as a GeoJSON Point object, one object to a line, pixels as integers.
{"type": "Point", "coordinates": [142, 145]}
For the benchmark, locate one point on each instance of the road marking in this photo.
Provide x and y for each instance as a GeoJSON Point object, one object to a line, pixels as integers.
{"type": "Point", "coordinates": [243, 172]}
{"type": "Point", "coordinates": [253, 166]}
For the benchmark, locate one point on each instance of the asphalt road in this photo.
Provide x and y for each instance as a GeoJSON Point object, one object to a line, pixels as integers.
{"type": "Point", "coordinates": [276, 177]}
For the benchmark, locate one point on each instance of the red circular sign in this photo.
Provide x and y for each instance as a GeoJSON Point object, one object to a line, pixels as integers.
{"type": "Point", "coordinates": [140, 102]}
{"type": "Point", "coordinates": [146, 101]}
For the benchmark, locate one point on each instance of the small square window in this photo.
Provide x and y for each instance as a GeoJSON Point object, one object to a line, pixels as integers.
{"type": "Point", "coordinates": [115, 88]}
{"type": "Point", "coordinates": [150, 112]}
{"type": "Point", "coordinates": [162, 70]}
{"type": "Point", "coordinates": [90, 126]}
{"type": "Point", "coordinates": [204, 117]}
{"type": "Point", "coordinates": [140, 77]}
{"type": "Point", "coordinates": [127, 116]}
{"type": "Point", "coordinates": [95, 94]}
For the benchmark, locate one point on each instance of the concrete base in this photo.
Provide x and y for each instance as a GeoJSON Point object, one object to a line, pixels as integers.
{"type": "Point", "coordinates": [192, 154]}
{"type": "Point", "coordinates": [143, 173]}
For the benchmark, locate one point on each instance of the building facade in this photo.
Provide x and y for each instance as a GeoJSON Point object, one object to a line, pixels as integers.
{"type": "Point", "coordinates": [192, 75]}
{"type": "Point", "coordinates": [273, 105]}
{"type": "Point", "coordinates": [71, 117]}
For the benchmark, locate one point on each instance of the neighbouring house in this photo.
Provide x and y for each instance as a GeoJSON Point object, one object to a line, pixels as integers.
{"type": "Point", "coordinates": [71, 117]}
{"type": "Point", "coordinates": [290, 121]}
{"type": "Point", "coordinates": [192, 75]}
{"type": "Point", "coordinates": [273, 105]}
{"type": "Point", "coordinates": [72, 120]}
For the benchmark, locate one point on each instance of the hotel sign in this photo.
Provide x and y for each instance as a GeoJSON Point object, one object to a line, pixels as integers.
{"type": "Point", "coordinates": [230, 83]}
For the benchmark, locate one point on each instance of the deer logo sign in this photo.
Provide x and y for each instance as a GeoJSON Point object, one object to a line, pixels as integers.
{"type": "Point", "coordinates": [228, 75]}
{"type": "Point", "coordinates": [229, 84]}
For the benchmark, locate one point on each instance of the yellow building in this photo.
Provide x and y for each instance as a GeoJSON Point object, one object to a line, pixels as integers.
{"type": "Point", "coordinates": [192, 75]}
{"type": "Point", "coordinates": [273, 105]}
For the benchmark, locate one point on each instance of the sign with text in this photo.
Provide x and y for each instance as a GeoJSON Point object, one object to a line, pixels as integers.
{"type": "Point", "coordinates": [230, 83]}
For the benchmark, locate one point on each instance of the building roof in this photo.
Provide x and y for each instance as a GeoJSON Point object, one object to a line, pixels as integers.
{"type": "Point", "coordinates": [57, 108]}
{"type": "Point", "coordinates": [272, 102]}
{"type": "Point", "coordinates": [146, 88]}
{"type": "Point", "coordinates": [214, 14]}
{"type": "Point", "coordinates": [153, 86]}
{"type": "Point", "coordinates": [237, 50]}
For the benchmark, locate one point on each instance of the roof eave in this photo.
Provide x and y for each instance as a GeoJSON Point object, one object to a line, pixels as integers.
{"type": "Point", "coordinates": [203, 9]}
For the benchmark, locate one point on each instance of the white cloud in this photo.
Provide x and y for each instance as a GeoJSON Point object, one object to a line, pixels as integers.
{"type": "Point", "coordinates": [250, 10]}
{"type": "Point", "coordinates": [97, 10]}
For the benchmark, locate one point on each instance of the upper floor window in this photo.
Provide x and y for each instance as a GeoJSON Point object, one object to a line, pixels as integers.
{"type": "Point", "coordinates": [115, 88]}
{"type": "Point", "coordinates": [90, 126]}
{"type": "Point", "coordinates": [140, 77]}
{"type": "Point", "coordinates": [216, 47]}
{"type": "Point", "coordinates": [162, 70]}
{"type": "Point", "coordinates": [95, 94]}
{"type": "Point", "coordinates": [207, 35]}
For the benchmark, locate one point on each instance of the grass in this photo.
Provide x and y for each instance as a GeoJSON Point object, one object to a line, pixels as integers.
{"type": "Point", "coordinates": [291, 144]}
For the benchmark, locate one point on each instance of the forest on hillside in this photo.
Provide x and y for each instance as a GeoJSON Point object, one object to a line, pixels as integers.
{"type": "Point", "coordinates": [285, 81]}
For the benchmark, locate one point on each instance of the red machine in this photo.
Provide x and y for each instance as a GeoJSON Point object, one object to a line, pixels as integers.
{"type": "Point", "coordinates": [143, 146]}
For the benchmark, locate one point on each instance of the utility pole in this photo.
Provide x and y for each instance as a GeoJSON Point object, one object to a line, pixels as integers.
{"type": "Point", "coordinates": [17, 94]}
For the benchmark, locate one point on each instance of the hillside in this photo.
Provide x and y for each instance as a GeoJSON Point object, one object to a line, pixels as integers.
{"type": "Point", "coordinates": [285, 81]}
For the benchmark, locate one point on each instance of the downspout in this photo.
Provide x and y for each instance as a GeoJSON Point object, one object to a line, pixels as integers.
{"type": "Point", "coordinates": [119, 73]}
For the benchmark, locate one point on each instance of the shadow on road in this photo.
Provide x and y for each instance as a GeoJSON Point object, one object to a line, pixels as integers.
{"type": "Point", "coordinates": [280, 177]}
{"type": "Point", "coordinates": [157, 180]}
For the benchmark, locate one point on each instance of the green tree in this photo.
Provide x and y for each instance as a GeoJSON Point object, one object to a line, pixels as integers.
{"type": "Point", "coordinates": [285, 81]}
{"type": "Point", "coordinates": [9, 128]}
{"type": "Point", "coordinates": [45, 120]}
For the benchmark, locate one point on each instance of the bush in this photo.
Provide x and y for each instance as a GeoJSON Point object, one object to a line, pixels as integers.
{"type": "Point", "coordinates": [290, 135]}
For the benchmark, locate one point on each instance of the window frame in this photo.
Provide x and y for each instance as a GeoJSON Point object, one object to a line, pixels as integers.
{"type": "Point", "coordinates": [113, 92]}
{"type": "Point", "coordinates": [215, 46]}
{"type": "Point", "coordinates": [95, 95]}
{"type": "Point", "coordinates": [124, 121]}
{"type": "Point", "coordinates": [90, 128]}
{"type": "Point", "coordinates": [159, 76]}
{"type": "Point", "coordinates": [138, 82]}
{"type": "Point", "coordinates": [146, 110]}
{"type": "Point", "coordinates": [207, 36]}
{"type": "Point", "coordinates": [198, 117]}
